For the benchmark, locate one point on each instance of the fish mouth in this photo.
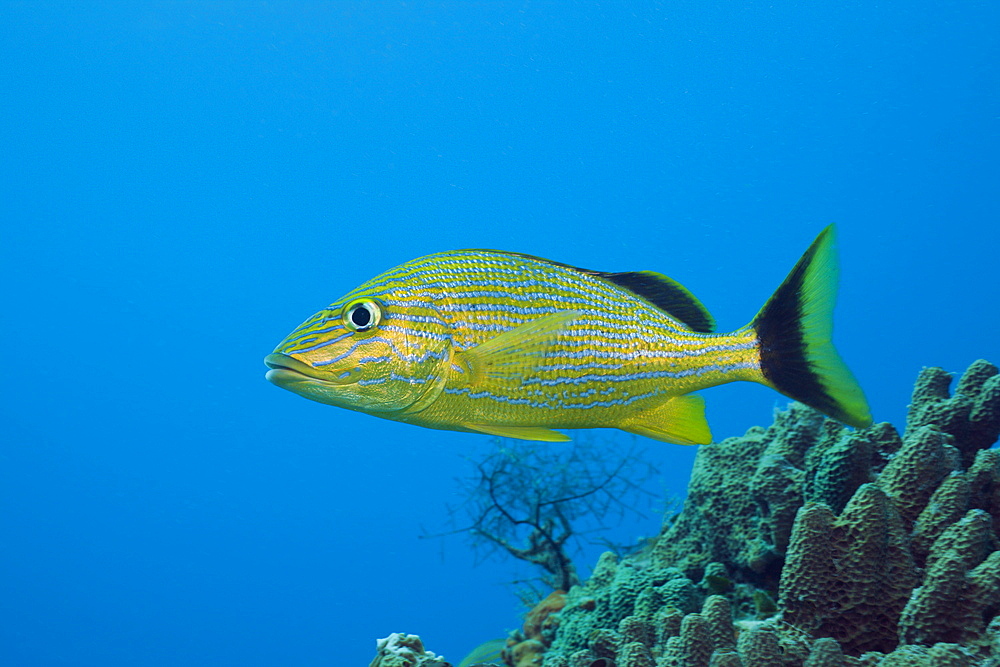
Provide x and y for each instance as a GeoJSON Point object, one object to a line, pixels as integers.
{"type": "Point", "coordinates": [287, 371]}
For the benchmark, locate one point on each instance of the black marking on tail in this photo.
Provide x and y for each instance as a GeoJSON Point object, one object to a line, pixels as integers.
{"type": "Point", "coordinates": [794, 327]}
{"type": "Point", "coordinates": [783, 358]}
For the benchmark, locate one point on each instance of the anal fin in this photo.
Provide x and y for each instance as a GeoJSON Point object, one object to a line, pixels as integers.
{"type": "Point", "coordinates": [519, 432]}
{"type": "Point", "coordinates": [680, 421]}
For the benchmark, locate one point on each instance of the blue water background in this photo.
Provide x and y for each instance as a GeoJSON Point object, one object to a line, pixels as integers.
{"type": "Point", "coordinates": [183, 183]}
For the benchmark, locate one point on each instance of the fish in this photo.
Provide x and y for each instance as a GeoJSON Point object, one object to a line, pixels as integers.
{"type": "Point", "coordinates": [513, 345]}
{"type": "Point", "coordinates": [487, 653]}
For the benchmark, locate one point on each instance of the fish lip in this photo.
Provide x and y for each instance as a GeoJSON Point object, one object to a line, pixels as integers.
{"type": "Point", "coordinates": [277, 361]}
{"type": "Point", "coordinates": [286, 370]}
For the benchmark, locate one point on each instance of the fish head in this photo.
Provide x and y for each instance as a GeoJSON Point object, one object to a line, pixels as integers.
{"type": "Point", "coordinates": [364, 352]}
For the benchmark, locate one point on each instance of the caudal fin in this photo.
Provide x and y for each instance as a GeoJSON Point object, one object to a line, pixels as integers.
{"type": "Point", "coordinates": [795, 329]}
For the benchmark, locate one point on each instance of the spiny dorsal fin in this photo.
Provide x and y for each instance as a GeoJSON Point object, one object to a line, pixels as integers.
{"type": "Point", "coordinates": [665, 293]}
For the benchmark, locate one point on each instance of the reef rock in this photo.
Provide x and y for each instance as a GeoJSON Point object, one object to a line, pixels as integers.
{"type": "Point", "coordinates": [401, 650]}
{"type": "Point", "coordinates": [808, 544]}
{"type": "Point", "coordinates": [526, 647]}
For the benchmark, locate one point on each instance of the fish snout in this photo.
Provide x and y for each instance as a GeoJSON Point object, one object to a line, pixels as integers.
{"type": "Point", "coordinates": [286, 370]}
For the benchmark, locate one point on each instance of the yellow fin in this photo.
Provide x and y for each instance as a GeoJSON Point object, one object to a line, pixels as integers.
{"type": "Point", "coordinates": [486, 652]}
{"type": "Point", "coordinates": [513, 354]}
{"type": "Point", "coordinates": [680, 421]}
{"type": "Point", "coordinates": [520, 432]}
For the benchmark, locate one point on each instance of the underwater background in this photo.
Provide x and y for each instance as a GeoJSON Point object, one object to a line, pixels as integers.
{"type": "Point", "coordinates": [183, 183]}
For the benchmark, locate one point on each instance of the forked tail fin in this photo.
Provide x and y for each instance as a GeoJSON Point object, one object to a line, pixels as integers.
{"type": "Point", "coordinates": [795, 330]}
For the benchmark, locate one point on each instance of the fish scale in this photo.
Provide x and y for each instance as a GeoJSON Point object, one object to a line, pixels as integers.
{"type": "Point", "coordinates": [584, 345]}
{"type": "Point", "coordinates": [510, 344]}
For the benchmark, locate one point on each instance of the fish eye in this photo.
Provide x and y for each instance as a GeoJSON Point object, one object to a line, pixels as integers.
{"type": "Point", "coordinates": [362, 315]}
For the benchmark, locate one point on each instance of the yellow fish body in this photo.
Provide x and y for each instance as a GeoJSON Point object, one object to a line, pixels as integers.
{"type": "Point", "coordinates": [516, 346]}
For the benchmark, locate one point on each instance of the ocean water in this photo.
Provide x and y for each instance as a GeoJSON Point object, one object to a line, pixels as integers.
{"type": "Point", "coordinates": [181, 184]}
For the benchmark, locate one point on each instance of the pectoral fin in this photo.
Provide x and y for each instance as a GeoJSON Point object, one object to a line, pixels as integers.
{"type": "Point", "coordinates": [680, 421]}
{"type": "Point", "coordinates": [514, 354]}
{"type": "Point", "coordinates": [520, 432]}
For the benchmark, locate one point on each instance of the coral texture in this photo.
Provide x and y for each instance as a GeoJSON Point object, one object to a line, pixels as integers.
{"type": "Point", "coordinates": [526, 647]}
{"type": "Point", "coordinates": [848, 577]}
{"type": "Point", "coordinates": [402, 650]}
{"type": "Point", "coordinates": [807, 544]}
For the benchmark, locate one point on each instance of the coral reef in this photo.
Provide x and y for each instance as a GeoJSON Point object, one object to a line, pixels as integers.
{"type": "Point", "coordinates": [526, 647]}
{"type": "Point", "coordinates": [401, 650]}
{"type": "Point", "coordinates": [807, 544]}
{"type": "Point", "coordinates": [849, 577]}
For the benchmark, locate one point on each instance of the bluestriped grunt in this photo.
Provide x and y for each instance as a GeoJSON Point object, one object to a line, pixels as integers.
{"type": "Point", "coordinates": [513, 345]}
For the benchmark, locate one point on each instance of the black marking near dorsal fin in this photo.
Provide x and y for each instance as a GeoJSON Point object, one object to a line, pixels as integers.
{"type": "Point", "coordinates": [665, 293]}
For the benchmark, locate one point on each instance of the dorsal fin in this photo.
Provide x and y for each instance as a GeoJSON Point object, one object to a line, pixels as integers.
{"type": "Point", "coordinates": [665, 293]}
